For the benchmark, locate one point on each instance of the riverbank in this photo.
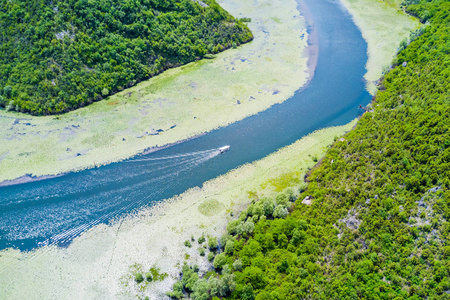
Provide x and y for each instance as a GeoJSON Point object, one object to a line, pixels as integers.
{"type": "Point", "coordinates": [97, 264]}
{"type": "Point", "coordinates": [179, 104]}
{"type": "Point", "coordinates": [383, 25]}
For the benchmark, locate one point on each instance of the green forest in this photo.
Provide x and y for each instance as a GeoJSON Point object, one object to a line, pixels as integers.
{"type": "Point", "coordinates": [378, 224]}
{"type": "Point", "coordinates": [56, 56]}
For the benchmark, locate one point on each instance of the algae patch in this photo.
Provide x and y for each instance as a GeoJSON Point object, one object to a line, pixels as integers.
{"type": "Point", "coordinates": [210, 207]}
{"type": "Point", "coordinates": [175, 105]}
{"type": "Point", "coordinates": [104, 262]}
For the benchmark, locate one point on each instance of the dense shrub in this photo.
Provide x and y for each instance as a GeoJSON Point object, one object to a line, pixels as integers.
{"type": "Point", "coordinates": [378, 226]}
{"type": "Point", "coordinates": [56, 56]}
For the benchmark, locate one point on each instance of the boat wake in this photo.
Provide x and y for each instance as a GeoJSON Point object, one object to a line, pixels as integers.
{"type": "Point", "coordinates": [56, 216]}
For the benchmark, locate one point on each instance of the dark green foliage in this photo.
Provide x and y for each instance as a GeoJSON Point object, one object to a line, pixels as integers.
{"type": "Point", "coordinates": [378, 227]}
{"type": "Point", "coordinates": [202, 288]}
{"type": "Point", "coordinates": [247, 292]}
{"type": "Point", "coordinates": [219, 261]}
{"type": "Point", "coordinates": [139, 277]}
{"type": "Point", "coordinates": [154, 274]}
{"type": "Point", "coordinates": [211, 256]}
{"type": "Point", "coordinates": [177, 292]}
{"type": "Point", "coordinates": [212, 243]}
{"type": "Point", "coordinates": [56, 56]}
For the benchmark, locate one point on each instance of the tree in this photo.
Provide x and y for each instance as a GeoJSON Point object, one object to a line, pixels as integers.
{"type": "Point", "coordinates": [219, 261]}
{"type": "Point", "coordinates": [7, 91]}
{"type": "Point", "coordinates": [247, 292]}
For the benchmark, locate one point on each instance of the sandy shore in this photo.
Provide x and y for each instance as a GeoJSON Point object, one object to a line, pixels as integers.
{"type": "Point", "coordinates": [178, 104]}
{"type": "Point", "coordinates": [98, 264]}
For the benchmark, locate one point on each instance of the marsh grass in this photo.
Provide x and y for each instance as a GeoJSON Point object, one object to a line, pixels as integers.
{"type": "Point", "coordinates": [197, 98]}
{"type": "Point", "coordinates": [137, 240]}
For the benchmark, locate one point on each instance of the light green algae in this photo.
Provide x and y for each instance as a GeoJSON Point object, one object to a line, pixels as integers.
{"type": "Point", "coordinates": [383, 26]}
{"type": "Point", "coordinates": [194, 98]}
{"type": "Point", "coordinates": [97, 264]}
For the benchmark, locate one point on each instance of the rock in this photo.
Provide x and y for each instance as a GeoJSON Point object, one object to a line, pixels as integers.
{"type": "Point", "coordinates": [351, 221]}
{"type": "Point", "coordinates": [202, 4]}
{"type": "Point", "coordinates": [307, 200]}
{"type": "Point", "coordinates": [404, 64]}
{"type": "Point", "coordinates": [435, 189]}
{"type": "Point", "coordinates": [421, 202]}
{"type": "Point", "coordinates": [342, 140]}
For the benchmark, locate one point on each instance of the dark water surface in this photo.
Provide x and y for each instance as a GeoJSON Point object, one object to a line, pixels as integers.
{"type": "Point", "coordinates": [59, 209]}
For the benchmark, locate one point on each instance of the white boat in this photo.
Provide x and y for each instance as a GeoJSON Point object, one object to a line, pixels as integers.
{"type": "Point", "coordinates": [224, 149]}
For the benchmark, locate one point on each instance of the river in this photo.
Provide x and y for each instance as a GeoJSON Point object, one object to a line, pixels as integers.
{"type": "Point", "coordinates": [56, 210]}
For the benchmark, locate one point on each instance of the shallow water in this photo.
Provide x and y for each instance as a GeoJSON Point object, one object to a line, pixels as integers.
{"type": "Point", "coordinates": [54, 211]}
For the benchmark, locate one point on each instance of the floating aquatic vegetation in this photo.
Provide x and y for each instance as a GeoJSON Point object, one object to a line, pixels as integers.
{"type": "Point", "coordinates": [176, 105]}
{"type": "Point", "coordinates": [100, 258]}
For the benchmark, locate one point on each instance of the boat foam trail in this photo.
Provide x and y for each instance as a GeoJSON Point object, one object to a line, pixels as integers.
{"type": "Point", "coordinates": [67, 236]}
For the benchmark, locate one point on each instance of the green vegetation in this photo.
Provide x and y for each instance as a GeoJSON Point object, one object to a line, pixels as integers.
{"type": "Point", "coordinates": [154, 274]}
{"type": "Point", "coordinates": [57, 56]}
{"type": "Point", "coordinates": [374, 220]}
{"type": "Point", "coordinates": [197, 97]}
{"type": "Point", "coordinates": [203, 288]}
{"type": "Point", "coordinates": [383, 26]}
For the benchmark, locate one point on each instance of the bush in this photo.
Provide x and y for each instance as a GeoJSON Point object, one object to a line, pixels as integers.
{"type": "Point", "coordinates": [149, 276]}
{"type": "Point", "coordinates": [247, 292]}
{"type": "Point", "coordinates": [229, 247]}
{"type": "Point", "coordinates": [177, 292]}
{"type": "Point", "coordinates": [200, 290]}
{"type": "Point", "coordinates": [212, 243]}
{"type": "Point", "coordinates": [237, 265]}
{"type": "Point", "coordinates": [282, 200]}
{"type": "Point", "coordinates": [232, 225]}
{"type": "Point", "coordinates": [280, 212]}
{"type": "Point", "coordinates": [138, 277]}
{"type": "Point", "coordinates": [7, 91]}
{"type": "Point", "coordinates": [246, 228]}
{"type": "Point", "coordinates": [269, 206]}
{"type": "Point", "coordinates": [219, 261]}
{"type": "Point", "coordinates": [210, 256]}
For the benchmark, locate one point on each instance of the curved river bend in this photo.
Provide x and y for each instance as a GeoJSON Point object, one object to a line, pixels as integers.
{"type": "Point", "coordinates": [59, 209]}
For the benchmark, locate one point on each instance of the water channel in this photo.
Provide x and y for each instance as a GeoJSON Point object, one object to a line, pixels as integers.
{"type": "Point", "coordinates": [55, 211]}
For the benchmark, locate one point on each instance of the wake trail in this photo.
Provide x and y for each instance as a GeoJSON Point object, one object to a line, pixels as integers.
{"type": "Point", "coordinates": [68, 236]}
{"type": "Point", "coordinates": [188, 161]}
{"type": "Point", "coordinates": [175, 156]}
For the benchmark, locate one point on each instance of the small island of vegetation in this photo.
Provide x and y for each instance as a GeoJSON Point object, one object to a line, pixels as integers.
{"type": "Point", "coordinates": [61, 55]}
